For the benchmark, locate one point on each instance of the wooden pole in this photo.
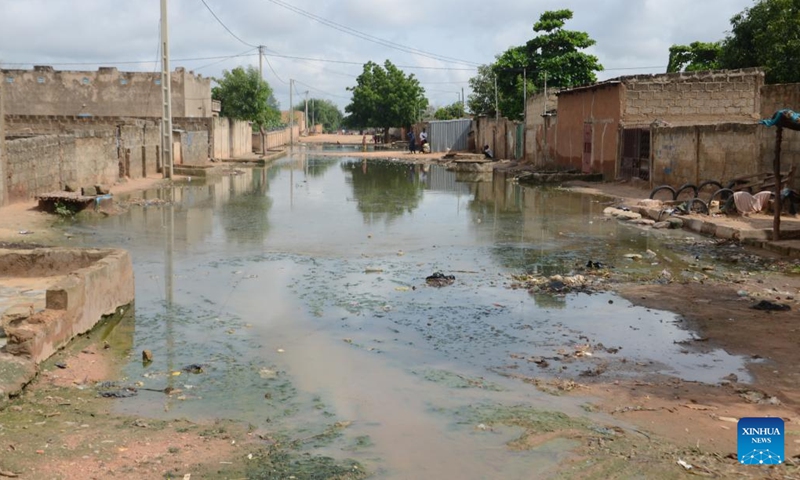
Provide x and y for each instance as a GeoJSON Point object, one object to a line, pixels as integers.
{"type": "Point", "coordinates": [776, 165]}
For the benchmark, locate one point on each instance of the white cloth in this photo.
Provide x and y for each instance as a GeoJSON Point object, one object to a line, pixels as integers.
{"type": "Point", "coordinates": [747, 203]}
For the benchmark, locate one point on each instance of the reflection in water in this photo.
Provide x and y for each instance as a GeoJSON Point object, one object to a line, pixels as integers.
{"type": "Point", "coordinates": [385, 190]}
{"type": "Point", "coordinates": [261, 277]}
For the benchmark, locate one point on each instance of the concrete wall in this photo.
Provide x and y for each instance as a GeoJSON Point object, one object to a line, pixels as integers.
{"type": "Point", "coordinates": [693, 154]}
{"type": "Point", "coordinates": [231, 138]}
{"type": "Point", "coordinates": [719, 96]}
{"type": "Point", "coordinates": [599, 107]}
{"type": "Point", "coordinates": [540, 131]}
{"type": "Point", "coordinates": [106, 92]}
{"type": "Point", "coordinates": [275, 139]}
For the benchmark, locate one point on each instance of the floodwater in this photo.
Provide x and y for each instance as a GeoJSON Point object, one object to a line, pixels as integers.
{"type": "Point", "coordinates": [300, 291]}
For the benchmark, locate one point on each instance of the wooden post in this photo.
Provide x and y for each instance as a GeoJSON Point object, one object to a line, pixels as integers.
{"type": "Point", "coordinates": [776, 165]}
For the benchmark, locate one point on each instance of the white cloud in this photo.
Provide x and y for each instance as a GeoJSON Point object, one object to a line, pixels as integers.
{"type": "Point", "coordinates": [630, 34]}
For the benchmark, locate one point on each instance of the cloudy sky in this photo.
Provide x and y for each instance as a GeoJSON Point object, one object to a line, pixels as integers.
{"type": "Point", "coordinates": [322, 44]}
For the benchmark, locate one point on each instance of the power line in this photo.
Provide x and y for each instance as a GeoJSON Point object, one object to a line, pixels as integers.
{"type": "Point", "coordinates": [222, 60]}
{"type": "Point", "coordinates": [126, 62]}
{"type": "Point", "coordinates": [260, 52]}
{"type": "Point", "coordinates": [347, 62]}
{"type": "Point", "coordinates": [321, 91]}
{"type": "Point", "coordinates": [226, 27]}
{"type": "Point", "coordinates": [370, 38]}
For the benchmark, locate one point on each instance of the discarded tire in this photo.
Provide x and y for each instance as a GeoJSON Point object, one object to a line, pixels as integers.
{"type": "Point", "coordinates": [709, 186]}
{"type": "Point", "coordinates": [681, 192]}
{"type": "Point", "coordinates": [697, 205]}
{"type": "Point", "coordinates": [724, 195]}
{"type": "Point", "coordinates": [662, 189]}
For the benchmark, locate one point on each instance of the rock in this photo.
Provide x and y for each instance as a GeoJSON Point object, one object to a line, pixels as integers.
{"type": "Point", "coordinates": [643, 221]}
{"type": "Point", "coordinates": [660, 225]}
{"type": "Point", "coordinates": [675, 223]}
{"type": "Point", "coordinates": [102, 189]}
{"type": "Point", "coordinates": [766, 305]}
{"type": "Point", "coordinates": [633, 256]}
{"type": "Point", "coordinates": [147, 356]}
{"type": "Point", "coordinates": [89, 191]}
{"type": "Point", "coordinates": [68, 187]}
{"type": "Point", "coordinates": [650, 203]}
{"type": "Point", "coordinates": [628, 215]}
{"type": "Point", "coordinates": [438, 279]}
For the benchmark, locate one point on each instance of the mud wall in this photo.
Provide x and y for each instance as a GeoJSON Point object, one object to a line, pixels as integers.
{"type": "Point", "coordinates": [2, 150]}
{"type": "Point", "coordinates": [39, 164]}
{"type": "Point", "coordinates": [106, 92]}
{"type": "Point", "coordinates": [774, 98]}
{"type": "Point", "coordinates": [276, 139]}
{"type": "Point", "coordinates": [540, 132]}
{"type": "Point", "coordinates": [693, 154]}
{"type": "Point", "coordinates": [499, 134]}
{"type": "Point", "coordinates": [588, 129]}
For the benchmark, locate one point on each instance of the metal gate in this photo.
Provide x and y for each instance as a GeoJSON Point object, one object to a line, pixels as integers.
{"type": "Point", "coordinates": [635, 159]}
{"type": "Point", "coordinates": [519, 151]}
{"type": "Point", "coordinates": [446, 135]}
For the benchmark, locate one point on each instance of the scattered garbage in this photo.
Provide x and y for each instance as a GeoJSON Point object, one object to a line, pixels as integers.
{"type": "Point", "coordinates": [147, 356]}
{"type": "Point", "coordinates": [768, 306]}
{"type": "Point", "coordinates": [684, 464]}
{"type": "Point", "coordinates": [439, 279]}
{"type": "Point", "coordinates": [194, 368]}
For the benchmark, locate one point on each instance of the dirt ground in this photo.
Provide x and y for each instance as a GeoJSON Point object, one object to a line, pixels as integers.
{"type": "Point", "coordinates": [62, 431]}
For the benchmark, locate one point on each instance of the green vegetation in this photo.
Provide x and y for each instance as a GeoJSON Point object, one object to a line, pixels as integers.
{"type": "Point", "coordinates": [450, 112]}
{"type": "Point", "coordinates": [384, 97]}
{"type": "Point", "coordinates": [322, 112]}
{"type": "Point", "coordinates": [764, 35]}
{"type": "Point", "coordinates": [246, 96]}
{"type": "Point", "coordinates": [555, 54]}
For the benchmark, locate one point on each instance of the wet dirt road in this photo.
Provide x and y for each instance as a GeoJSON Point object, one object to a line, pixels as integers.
{"type": "Point", "coordinates": [299, 290]}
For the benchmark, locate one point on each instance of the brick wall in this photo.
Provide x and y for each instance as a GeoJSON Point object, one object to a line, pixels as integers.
{"type": "Point", "coordinates": [693, 154]}
{"type": "Point", "coordinates": [38, 165]}
{"type": "Point", "coordinates": [96, 158]}
{"type": "Point", "coordinates": [686, 97]}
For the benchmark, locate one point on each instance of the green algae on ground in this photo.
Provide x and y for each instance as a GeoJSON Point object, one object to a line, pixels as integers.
{"type": "Point", "coordinates": [280, 464]}
{"type": "Point", "coordinates": [455, 380]}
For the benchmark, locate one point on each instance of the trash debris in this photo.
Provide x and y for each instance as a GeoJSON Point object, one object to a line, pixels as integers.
{"type": "Point", "coordinates": [194, 368]}
{"type": "Point", "coordinates": [438, 279]}
{"type": "Point", "coordinates": [373, 270]}
{"type": "Point", "coordinates": [684, 464]}
{"type": "Point", "coordinates": [61, 365]}
{"type": "Point", "coordinates": [147, 356]}
{"type": "Point", "coordinates": [768, 306]}
{"type": "Point", "coordinates": [25, 232]}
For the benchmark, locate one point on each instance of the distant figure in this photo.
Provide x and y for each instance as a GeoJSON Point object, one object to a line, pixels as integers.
{"type": "Point", "coordinates": [423, 139]}
{"type": "Point", "coordinates": [487, 152]}
{"type": "Point", "coordinates": [412, 141]}
{"type": "Point", "coordinates": [364, 142]}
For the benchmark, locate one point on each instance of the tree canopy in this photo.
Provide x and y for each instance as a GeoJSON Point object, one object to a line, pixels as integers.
{"type": "Point", "coordinates": [554, 53]}
{"type": "Point", "coordinates": [385, 97]}
{"type": "Point", "coordinates": [450, 112]}
{"type": "Point", "coordinates": [694, 57]}
{"type": "Point", "coordinates": [246, 96]}
{"type": "Point", "coordinates": [765, 35]}
{"type": "Point", "coordinates": [322, 112]}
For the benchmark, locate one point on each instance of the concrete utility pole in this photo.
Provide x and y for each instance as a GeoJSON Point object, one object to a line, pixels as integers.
{"type": "Point", "coordinates": [291, 114]}
{"type": "Point", "coordinates": [306, 119]}
{"type": "Point", "coordinates": [166, 97]}
{"type": "Point", "coordinates": [260, 61]}
{"type": "Point", "coordinates": [313, 119]}
{"type": "Point", "coordinates": [463, 103]}
{"type": "Point", "coordinates": [524, 95]}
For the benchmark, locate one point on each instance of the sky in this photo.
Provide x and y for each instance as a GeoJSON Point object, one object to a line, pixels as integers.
{"type": "Point", "coordinates": [323, 44]}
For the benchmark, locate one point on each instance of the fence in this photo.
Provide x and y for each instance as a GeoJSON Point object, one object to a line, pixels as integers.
{"type": "Point", "coordinates": [447, 135]}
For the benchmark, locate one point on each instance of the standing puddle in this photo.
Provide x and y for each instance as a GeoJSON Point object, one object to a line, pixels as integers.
{"type": "Point", "coordinates": [294, 298]}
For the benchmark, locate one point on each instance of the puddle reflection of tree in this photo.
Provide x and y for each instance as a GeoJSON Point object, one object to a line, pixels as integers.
{"type": "Point", "coordinates": [384, 190]}
{"type": "Point", "coordinates": [245, 214]}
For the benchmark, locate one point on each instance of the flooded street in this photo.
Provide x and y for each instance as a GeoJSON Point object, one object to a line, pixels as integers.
{"type": "Point", "coordinates": [298, 293]}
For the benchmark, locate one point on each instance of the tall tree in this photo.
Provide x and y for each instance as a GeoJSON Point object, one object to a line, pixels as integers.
{"type": "Point", "coordinates": [766, 35]}
{"type": "Point", "coordinates": [481, 100]}
{"type": "Point", "coordinates": [554, 53]}
{"type": "Point", "coordinates": [385, 97]}
{"type": "Point", "coordinates": [694, 57]}
{"type": "Point", "coordinates": [323, 112]}
{"type": "Point", "coordinates": [246, 96]}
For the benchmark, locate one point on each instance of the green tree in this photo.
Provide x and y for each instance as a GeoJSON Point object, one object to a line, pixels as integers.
{"type": "Point", "coordinates": [384, 97]}
{"type": "Point", "coordinates": [450, 112]}
{"type": "Point", "coordinates": [246, 96]}
{"type": "Point", "coordinates": [766, 35]}
{"type": "Point", "coordinates": [694, 57]}
{"type": "Point", "coordinates": [323, 112]}
{"type": "Point", "coordinates": [481, 100]}
{"type": "Point", "coordinates": [555, 54]}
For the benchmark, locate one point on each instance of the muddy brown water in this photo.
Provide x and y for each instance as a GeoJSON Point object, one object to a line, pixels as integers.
{"type": "Point", "coordinates": [300, 290]}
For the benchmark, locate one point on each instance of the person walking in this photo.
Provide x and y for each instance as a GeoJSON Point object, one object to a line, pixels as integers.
{"type": "Point", "coordinates": [412, 141]}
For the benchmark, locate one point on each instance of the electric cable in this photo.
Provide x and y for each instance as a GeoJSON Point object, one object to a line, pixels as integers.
{"type": "Point", "coordinates": [226, 27]}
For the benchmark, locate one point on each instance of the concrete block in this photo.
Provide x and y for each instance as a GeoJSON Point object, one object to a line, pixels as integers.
{"type": "Point", "coordinates": [89, 190]}
{"type": "Point", "coordinates": [15, 373]}
{"type": "Point", "coordinates": [693, 224]}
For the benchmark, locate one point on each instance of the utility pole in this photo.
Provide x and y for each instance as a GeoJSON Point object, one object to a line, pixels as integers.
{"type": "Point", "coordinates": [496, 104]}
{"type": "Point", "coordinates": [260, 62]}
{"type": "Point", "coordinates": [261, 134]}
{"type": "Point", "coordinates": [463, 103]}
{"type": "Point", "coordinates": [306, 117]}
{"type": "Point", "coordinates": [524, 95]}
{"type": "Point", "coordinates": [291, 114]}
{"type": "Point", "coordinates": [166, 97]}
{"type": "Point", "coordinates": [313, 119]}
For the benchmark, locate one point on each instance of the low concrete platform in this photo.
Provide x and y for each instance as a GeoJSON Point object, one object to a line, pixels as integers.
{"type": "Point", "coordinates": [83, 286]}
